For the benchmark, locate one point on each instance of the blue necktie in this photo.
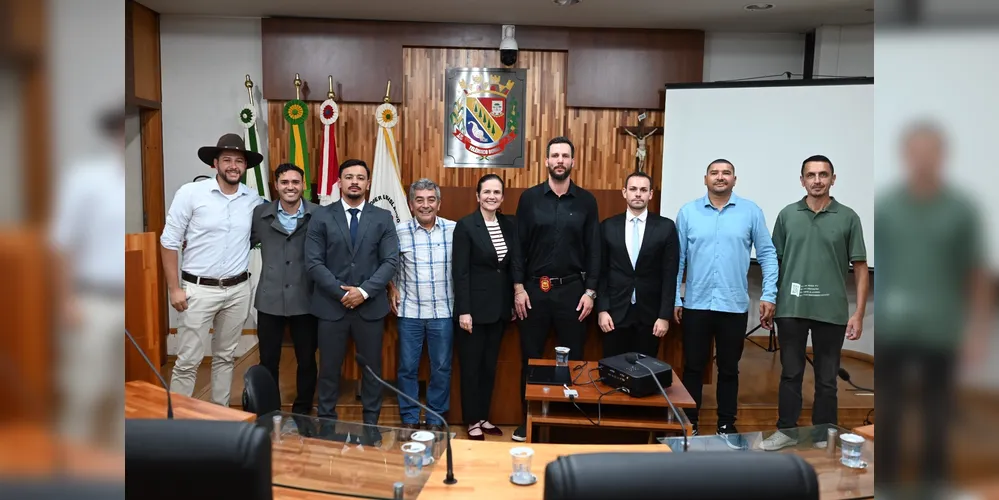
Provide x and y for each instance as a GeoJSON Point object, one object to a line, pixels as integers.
{"type": "Point", "coordinates": [353, 225]}
{"type": "Point", "coordinates": [634, 249]}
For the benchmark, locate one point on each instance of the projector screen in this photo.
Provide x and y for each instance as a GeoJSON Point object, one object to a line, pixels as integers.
{"type": "Point", "coordinates": [766, 129]}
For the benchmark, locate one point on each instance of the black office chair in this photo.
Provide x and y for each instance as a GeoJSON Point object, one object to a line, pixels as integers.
{"type": "Point", "coordinates": [260, 391]}
{"type": "Point", "coordinates": [691, 476]}
{"type": "Point", "coordinates": [197, 459]}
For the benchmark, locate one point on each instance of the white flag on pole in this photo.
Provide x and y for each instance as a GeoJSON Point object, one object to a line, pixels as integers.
{"type": "Point", "coordinates": [386, 181]}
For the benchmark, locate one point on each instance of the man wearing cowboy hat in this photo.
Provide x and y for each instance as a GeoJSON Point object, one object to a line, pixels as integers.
{"type": "Point", "coordinates": [212, 289]}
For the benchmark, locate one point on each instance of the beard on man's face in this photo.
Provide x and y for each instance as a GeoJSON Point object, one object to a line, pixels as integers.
{"type": "Point", "coordinates": [231, 182]}
{"type": "Point", "coordinates": [560, 177]}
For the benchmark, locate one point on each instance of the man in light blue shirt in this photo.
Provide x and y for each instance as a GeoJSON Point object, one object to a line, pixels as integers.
{"type": "Point", "coordinates": [717, 233]}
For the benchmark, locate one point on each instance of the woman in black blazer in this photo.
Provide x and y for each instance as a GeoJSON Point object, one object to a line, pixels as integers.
{"type": "Point", "coordinates": [485, 259]}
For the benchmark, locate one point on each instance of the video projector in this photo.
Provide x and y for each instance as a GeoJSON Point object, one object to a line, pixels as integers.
{"type": "Point", "coordinates": [625, 373]}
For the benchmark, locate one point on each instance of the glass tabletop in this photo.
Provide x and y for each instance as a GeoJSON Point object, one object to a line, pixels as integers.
{"type": "Point", "coordinates": [350, 458]}
{"type": "Point", "coordinates": [842, 475]}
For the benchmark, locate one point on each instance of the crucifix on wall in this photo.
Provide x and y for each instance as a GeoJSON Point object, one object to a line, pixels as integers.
{"type": "Point", "coordinates": [641, 134]}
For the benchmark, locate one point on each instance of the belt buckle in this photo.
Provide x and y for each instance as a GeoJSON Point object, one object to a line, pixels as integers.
{"type": "Point", "coordinates": [546, 284]}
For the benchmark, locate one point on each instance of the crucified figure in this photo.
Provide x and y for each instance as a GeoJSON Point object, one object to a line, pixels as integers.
{"type": "Point", "coordinates": [640, 152]}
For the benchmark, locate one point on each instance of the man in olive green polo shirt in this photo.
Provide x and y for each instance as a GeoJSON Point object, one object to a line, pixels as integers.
{"type": "Point", "coordinates": [816, 239]}
{"type": "Point", "coordinates": [934, 302]}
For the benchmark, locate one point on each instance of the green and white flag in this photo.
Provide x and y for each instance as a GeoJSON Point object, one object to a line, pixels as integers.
{"type": "Point", "coordinates": [255, 178]}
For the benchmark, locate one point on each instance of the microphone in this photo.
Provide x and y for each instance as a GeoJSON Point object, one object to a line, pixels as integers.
{"type": "Point", "coordinates": [156, 371]}
{"type": "Point", "coordinates": [447, 428]}
{"type": "Point", "coordinates": [843, 375]}
{"type": "Point", "coordinates": [633, 359]}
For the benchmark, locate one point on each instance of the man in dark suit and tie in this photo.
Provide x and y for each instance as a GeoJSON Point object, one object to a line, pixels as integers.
{"type": "Point", "coordinates": [639, 260]}
{"type": "Point", "coordinates": [351, 253]}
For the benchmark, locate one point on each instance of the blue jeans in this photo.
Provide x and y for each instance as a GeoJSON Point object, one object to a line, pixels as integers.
{"type": "Point", "coordinates": [439, 335]}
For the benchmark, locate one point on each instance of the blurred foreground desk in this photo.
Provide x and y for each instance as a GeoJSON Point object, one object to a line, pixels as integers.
{"type": "Point", "coordinates": [317, 459]}
{"type": "Point", "coordinates": [836, 481]}
{"type": "Point", "coordinates": [482, 469]}
{"type": "Point", "coordinates": [145, 400]}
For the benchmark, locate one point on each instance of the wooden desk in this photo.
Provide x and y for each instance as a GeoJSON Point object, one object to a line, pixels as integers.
{"type": "Point", "coordinates": [30, 449]}
{"type": "Point", "coordinates": [145, 400]}
{"type": "Point", "coordinates": [482, 469]}
{"type": "Point", "coordinates": [867, 431]}
{"type": "Point", "coordinates": [613, 415]}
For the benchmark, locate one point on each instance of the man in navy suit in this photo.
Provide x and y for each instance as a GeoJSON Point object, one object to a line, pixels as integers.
{"type": "Point", "coordinates": [640, 255]}
{"type": "Point", "coordinates": [351, 253]}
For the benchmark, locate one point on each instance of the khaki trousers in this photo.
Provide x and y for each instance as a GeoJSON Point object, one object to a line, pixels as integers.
{"type": "Point", "coordinates": [92, 371]}
{"type": "Point", "coordinates": [225, 310]}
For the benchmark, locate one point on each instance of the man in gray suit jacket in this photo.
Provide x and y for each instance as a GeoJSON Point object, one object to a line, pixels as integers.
{"type": "Point", "coordinates": [285, 290]}
{"type": "Point", "coordinates": [351, 252]}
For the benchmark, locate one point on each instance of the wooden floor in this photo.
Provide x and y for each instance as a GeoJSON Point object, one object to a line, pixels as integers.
{"type": "Point", "coordinates": [758, 381]}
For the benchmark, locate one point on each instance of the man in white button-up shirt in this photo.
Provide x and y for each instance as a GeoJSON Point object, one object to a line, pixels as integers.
{"type": "Point", "coordinates": [213, 216]}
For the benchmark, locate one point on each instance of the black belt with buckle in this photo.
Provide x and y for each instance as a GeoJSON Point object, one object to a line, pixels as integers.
{"type": "Point", "coordinates": [231, 281]}
{"type": "Point", "coordinates": [546, 283]}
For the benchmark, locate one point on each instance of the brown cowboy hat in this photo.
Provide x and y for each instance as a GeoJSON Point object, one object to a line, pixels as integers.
{"type": "Point", "coordinates": [233, 142]}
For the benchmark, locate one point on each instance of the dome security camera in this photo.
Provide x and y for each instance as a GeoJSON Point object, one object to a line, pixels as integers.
{"type": "Point", "coordinates": [508, 46]}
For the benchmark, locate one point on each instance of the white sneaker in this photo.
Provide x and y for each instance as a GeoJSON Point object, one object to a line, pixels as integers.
{"type": "Point", "coordinates": [821, 444]}
{"type": "Point", "coordinates": [777, 441]}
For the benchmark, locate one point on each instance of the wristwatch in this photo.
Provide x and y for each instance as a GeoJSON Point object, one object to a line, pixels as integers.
{"type": "Point", "coordinates": [591, 294]}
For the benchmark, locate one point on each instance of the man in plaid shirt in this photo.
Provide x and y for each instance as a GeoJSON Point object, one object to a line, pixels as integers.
{"type": "Point", "coordinates": [422, 297]}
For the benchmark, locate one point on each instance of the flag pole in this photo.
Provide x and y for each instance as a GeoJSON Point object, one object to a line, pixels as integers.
{"type": "Point", "coordinates": [249, 88]}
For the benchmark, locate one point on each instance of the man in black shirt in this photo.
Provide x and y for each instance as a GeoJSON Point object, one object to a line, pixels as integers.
{"type": "Point", "coordinates": [560, 233]}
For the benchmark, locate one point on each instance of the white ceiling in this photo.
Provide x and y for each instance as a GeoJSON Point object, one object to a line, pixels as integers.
{"type": "Point", "coordinates": [727, 15]}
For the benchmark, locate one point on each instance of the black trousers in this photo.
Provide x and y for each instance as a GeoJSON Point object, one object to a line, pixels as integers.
{"type": "Point", "coordinates": [304, 329]}
{"type": "Point", "coordinates": [729, 332]}
{"type": "Point", "coordinates": [919, 380]}
{"type": "Point", "coordinates": [555, 308]}
{"type": "Point", "coordinates": [631, 336]}
{"type": "Point", "coordinates": [477, 353]}
{"type": "Point", "coordinates": [367, 337]}
{"type": "Point", "coordinates": [827, 345]}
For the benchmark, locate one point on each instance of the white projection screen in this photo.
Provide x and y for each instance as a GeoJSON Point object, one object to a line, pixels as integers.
{"type": "Point", "coordinates": [766, 129]}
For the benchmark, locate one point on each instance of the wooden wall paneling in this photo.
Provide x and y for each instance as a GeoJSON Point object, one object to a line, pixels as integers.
{"type": "Point", "coordinates": [477, 36]}
{"type": "Point", "coordinates": [138, 321]}
{"type": "Point", "coordinates": [616, 68]}
{"type": "Point", "coordinates": [604, 156]}
{"type": "Point", "coordinates": [421, 126]}
{"type": "Point", "coordinates": [154, 210]}
{"type": "Point", "coordinates": [28, 356]}
{"type": "Point", "coordinates": [356, 132]}
{"type": "Point", "coordinates": [153, 197]}
{"type": "Point", "coordinates": [142, 51]}
{"type": "Point", "coordinates": [23, 52]}
{"type": "Point", "coordinates": [457, 202]}
{"type": "Point", "coordinates": [154, 286]}
{"type": "Point", "coordinates": [610, 68]}
{"type": "Point", "coordinates": [424, 110]}
{"type": "Point", "coordinates": [545, 114]}
{"type": "Point", "coordinates": [316, 48]}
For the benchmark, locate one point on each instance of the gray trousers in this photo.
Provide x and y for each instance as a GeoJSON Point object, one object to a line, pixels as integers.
{"type": "Point", "coordinates": [367, 337]}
